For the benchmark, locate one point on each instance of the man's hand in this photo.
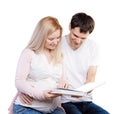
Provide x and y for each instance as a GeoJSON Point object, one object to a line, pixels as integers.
{"type": "Point", "coordinates": [26, 99]}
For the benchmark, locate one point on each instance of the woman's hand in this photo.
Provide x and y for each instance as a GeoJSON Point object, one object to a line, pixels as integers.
{"type": "Point", "coordinates": [62, 84]}
{"type": "Point", "coordinates": [49, 96]}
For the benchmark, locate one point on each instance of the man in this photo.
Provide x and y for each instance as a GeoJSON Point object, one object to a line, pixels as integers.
{"type": "Point", "coordinates": [80, 58]}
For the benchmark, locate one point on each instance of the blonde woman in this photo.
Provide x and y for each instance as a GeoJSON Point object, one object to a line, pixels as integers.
{"type": "Point", "coordinates": [40, 70]}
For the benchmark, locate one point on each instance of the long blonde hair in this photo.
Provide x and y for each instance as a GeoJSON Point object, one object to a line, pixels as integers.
{"type": "Point", "coordinates": [44, 28]}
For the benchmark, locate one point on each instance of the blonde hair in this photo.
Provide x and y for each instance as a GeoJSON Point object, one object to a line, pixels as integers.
{"type": "Point", "coordinates": [44, 28]}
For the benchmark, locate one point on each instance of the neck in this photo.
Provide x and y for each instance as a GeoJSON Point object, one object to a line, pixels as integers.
{"type": "Point", "coordinates": [48, 54]}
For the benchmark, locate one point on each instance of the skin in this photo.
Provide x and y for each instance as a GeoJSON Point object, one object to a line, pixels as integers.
{"type": "Point", "coordinates": [76, 38]}
{"type": "Point", "coordinates": [50, 44]}
{"type": "Point", "coordinates": [52, 40]}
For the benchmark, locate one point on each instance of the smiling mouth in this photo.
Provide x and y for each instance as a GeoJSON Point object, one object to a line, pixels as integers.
{"type": "Point", "coordinates": [53, 45]}
{"type": "Point", "coordinates": [76, 43]}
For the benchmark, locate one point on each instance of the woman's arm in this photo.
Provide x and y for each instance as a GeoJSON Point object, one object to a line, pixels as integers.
{"type": "Point", "coordinates": [22, 73]}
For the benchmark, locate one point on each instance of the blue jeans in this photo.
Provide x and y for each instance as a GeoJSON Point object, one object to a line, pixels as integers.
{"type": "Point", "coordinates": [83, 108]}
{"type": "Point", "coordinates": [18, 109]}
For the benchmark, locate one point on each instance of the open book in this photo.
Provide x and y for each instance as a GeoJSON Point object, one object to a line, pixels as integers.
{"type": "Point", "coordinates": [81, 91]}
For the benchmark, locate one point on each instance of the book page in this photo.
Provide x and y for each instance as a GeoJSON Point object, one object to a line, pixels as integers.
{"type": "Point", "coordinates": [70, 92]}
{"type": "Point", "coordinates": [81, 91]}
{"type": "Point", "coordinates": [90, 86]}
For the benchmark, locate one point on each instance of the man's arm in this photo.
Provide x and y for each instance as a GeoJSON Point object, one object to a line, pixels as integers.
{"type": "Point", "coordinates": [91, 74]}
{"type": "Point", "coordinates": [26, 99]}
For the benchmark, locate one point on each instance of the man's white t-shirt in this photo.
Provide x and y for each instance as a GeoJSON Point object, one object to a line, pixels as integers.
{"type": "Point", "coordinates": [77, 62]}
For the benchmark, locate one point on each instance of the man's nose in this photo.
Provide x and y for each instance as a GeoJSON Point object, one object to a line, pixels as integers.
{"type": "Point", "coordinates": [78, 40]}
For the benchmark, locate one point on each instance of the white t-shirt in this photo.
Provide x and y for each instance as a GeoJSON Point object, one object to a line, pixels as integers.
{"type": "Point", "coordinates": [77, 62]}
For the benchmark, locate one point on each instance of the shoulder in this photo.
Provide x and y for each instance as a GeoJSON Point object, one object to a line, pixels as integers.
{"type": "Point", "coordinates": [64, 38]}
{"type": "Point", "coordinates": [28, 53]}
{"type": "Point", "coordinates": [91, 43]}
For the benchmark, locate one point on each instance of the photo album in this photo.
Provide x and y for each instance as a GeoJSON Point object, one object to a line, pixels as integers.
{"type": "Point", "coordinates": [81, 91]}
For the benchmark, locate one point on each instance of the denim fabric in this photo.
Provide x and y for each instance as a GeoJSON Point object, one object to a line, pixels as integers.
{"type": "Point", "coordinates": [18, 109]}
{"type": "Point", "coordinates": [57, 111]}
{"type": "Point", "coordinates": [83, 108]}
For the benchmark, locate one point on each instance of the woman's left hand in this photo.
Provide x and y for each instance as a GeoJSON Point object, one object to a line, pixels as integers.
{"type": "Point", "coordinates": [62, 84]}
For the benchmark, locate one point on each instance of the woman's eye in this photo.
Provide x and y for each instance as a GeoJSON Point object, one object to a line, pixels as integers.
{"type": "Point", "coordinates": [58, 37]}
{"type": "Point", "coordinates": [50, 39]}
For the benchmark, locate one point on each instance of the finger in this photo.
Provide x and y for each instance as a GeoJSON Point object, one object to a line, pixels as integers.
{"type": "Point", "coordinates": [26, 99]}
{"type": "Point", "coordinates": [55, 95]}
{"type": "Point", "coordinates": [76, 96]}
{"type": "Point", "coordinates": [66, 86]}
{"type": "Point", "coordinates": [29, 98]}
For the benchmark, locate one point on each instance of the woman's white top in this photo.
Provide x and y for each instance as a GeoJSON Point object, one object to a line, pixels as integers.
{"type": "Point", "coordinates": [34, 75]}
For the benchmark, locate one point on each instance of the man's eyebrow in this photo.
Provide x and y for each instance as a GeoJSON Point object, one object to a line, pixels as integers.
{"type": "Point", "coordinates": [83, 38]}
{"type": "Point", "coordinates": [78, 36]}
{"type": "Point", "coordinates": [75, 35]}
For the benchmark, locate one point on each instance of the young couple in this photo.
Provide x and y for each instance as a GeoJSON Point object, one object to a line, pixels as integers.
{"type": "Point", "coordinates": [49, 60]}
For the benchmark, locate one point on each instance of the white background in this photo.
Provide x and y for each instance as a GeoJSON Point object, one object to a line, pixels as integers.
{"type": "Point", "coordinates": [18, 19]}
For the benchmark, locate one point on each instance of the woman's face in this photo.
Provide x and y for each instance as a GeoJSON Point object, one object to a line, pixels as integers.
{"type": "Point", "coordinates": [52, 40]}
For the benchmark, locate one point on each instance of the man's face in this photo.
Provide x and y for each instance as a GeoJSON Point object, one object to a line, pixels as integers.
{"type": "Point", "coordinates": [77, 38]}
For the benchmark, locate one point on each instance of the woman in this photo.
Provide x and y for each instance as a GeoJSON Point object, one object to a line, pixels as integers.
{"type": "Point", "coordinates": [40, 70]}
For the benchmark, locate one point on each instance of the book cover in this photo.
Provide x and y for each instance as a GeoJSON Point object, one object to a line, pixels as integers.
{"type": "Point", "coordinates": [71, 92]}
{"type": "Point", "coordinates": [81, 91]}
